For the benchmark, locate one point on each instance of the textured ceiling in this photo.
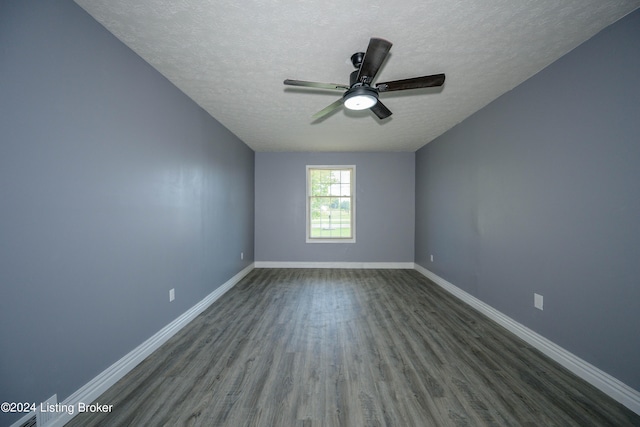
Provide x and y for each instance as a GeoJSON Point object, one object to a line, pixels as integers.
{"type": "Point", "coordinates": [232, 56]}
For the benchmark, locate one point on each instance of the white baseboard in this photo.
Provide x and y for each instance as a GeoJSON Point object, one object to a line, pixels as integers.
{"type": "Point", "coordinates": [94, 388]}
{"type": "Point", "coordinates": [304, 264]}
{"type": "Point", "coordinates": [599, 379]}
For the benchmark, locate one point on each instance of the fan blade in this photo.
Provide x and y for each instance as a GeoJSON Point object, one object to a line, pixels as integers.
{"type": "Point", "coordinates": [327, 110]}
{"type": "Point", "coordinates": [381, 110]}
{"type": "Point", "coordinates": [373, 59]}
{"type": "Point", "coordinates": [334, 86]}
{"type": "Point", "coordinates": [414, 83]}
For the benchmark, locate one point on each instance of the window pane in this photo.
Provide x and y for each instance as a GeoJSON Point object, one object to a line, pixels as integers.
{"type": "Point", "coordinates": [320, 182]}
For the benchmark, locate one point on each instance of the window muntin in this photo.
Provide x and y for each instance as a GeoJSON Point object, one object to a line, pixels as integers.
{"type": "Point", "coordinates": [331, 204]}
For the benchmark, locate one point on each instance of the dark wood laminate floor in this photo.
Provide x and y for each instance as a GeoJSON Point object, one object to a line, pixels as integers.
{"type": "Point", "coordinates": [318, 347]}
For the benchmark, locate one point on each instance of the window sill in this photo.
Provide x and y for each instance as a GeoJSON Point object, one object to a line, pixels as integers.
{"type": "Point", "coordinates": [331, 240]}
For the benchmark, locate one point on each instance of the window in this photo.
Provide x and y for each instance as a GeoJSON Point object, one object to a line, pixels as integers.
{"type": "Point", "coordinates": [331, 204]}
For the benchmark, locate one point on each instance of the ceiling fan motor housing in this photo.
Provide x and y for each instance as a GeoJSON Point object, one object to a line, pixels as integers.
{"type": "Point", "coordinates": [353, 78]}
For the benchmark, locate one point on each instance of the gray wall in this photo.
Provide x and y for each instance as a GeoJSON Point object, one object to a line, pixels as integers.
{"type": "Point", "coordinates": [384, 208]}
{"type": "Point", "coordinates": [114, 188]}
{"type": "Point", "coordinates": [540, 192]}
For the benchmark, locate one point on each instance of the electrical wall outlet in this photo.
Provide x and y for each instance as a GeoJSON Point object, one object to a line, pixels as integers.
{"type": "Point", "coordinates": [431, 258]}
{"type": "Point", "coordinates": [241, 255]}
{"type": "Point", "coordinates": [172, 294]}
{"type": "Point", "coordinates": [538, 301]}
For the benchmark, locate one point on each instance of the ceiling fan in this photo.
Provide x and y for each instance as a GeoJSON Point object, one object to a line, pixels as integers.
{"type": "Point", "coordinates": [360, 94]}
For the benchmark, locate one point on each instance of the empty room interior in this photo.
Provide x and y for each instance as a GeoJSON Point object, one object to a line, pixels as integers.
{"type": "Point", "coordinates": [194, 231]}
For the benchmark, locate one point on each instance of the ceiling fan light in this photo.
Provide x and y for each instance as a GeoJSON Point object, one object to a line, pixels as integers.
{"type": "Point", "coordinates": [360, 102]}
{"type": "Point", "coordinates": [360, 98]}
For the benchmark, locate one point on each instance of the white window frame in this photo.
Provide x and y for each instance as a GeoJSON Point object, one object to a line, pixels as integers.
{"type": "Point", "coordinates": [352, 239]}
